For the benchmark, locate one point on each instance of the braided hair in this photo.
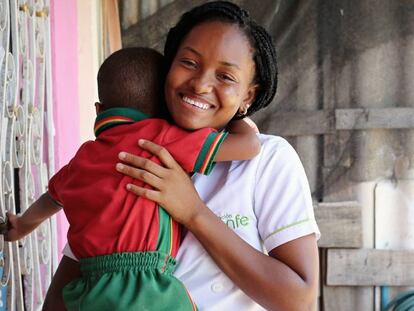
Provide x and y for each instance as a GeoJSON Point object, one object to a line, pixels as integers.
{"type": "Point", "coordinates": [264, 51]}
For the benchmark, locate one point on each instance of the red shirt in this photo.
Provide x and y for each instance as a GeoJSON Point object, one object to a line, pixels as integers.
{"type": "Point", "coordinates": [104, 217]}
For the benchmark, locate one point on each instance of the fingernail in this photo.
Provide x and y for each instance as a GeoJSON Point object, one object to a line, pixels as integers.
{"type": "Point", "coordinates": [141, 142]}
{"type": "Point", "coordinates": [119, 166]}
{"type": "Point", "coordinates": [122, 155]}
{"type": "Point", "coordinates": [128, 186]}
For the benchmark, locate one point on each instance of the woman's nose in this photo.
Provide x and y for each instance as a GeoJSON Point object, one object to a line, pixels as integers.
{"type": "Point", "coordinates": [202, 83]}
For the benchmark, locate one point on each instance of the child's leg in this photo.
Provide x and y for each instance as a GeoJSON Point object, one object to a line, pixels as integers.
{"type": "Point", "coordinates": [67, 271]}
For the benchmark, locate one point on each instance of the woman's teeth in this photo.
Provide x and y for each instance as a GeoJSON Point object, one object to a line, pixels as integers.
{"type": "Point", "coordinates": [195, 103]}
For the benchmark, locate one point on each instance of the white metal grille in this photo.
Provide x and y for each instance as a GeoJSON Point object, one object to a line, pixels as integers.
{"type": "Point", "coordinates": [26, 138]}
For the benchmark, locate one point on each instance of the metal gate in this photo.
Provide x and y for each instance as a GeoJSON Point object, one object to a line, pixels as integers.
{"type": "Point", "coordinates": [27, 155]}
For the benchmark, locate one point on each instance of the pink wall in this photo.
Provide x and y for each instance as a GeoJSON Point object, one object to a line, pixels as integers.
{"type": "Point", "coordinates": [64, 44]}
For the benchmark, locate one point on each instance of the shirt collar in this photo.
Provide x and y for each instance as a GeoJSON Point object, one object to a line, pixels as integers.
{"type": "Point", "coordinates": [115, 116]}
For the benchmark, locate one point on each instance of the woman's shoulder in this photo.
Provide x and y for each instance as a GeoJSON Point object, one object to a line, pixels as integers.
{"type": "Point", "coordinates": [278, 158]}
{"type": "Point", "coordinates": [275, 150]}
{"type": "Point", "coordinates": [273, 140]}
{"type": "Point", "coordinates": [273, 145]}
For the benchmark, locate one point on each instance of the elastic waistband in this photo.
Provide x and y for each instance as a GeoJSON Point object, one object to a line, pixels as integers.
{"type": "Point", "coordinates": [137, 261]}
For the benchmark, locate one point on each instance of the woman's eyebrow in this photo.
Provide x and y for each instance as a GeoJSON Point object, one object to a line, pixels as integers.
{"type": "Point", "coordinates": [230, 64]}
{"type": "Point", "coordinates": [225, 63]}
{"type": "Point", "coordinates": [192, 50]}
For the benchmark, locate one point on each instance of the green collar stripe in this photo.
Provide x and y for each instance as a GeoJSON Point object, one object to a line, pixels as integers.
{"type": "Point", "coordinates": [115, 116]}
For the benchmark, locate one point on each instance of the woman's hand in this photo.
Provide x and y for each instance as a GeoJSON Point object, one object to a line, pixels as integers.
{"type": "Point", "coordinates": [173, 189]}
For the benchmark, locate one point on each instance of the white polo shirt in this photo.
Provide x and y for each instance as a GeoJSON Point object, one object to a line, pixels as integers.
{"type": "Point", "coordinates": [266, 201]}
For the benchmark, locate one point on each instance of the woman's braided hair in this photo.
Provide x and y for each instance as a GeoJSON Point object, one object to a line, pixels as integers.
{"type": "Point", "coordinates": [260, 40]}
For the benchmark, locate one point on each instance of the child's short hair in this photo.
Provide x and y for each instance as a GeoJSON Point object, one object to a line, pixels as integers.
{"type": "Point", "coordinates": [132, 78]}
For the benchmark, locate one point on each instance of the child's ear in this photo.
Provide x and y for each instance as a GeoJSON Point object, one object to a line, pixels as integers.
{"type": "Point", "coordinates": [98, 107]}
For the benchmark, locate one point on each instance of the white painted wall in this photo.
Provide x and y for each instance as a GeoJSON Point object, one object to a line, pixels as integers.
{"type": "Point", "coordinates": [89, 59]}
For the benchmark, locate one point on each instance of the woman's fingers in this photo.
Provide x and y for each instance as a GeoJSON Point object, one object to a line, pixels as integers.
{"type": "Point", "coordinates": [149, 194]}
{"type": "Point", "coordinates": [139, 174]}
{"type": "Point", "coordinates": [159, 151]}
{"type": "Point", "coordinates": [172, 188]}
{"type": "Point", "coordinates": [140, 163]}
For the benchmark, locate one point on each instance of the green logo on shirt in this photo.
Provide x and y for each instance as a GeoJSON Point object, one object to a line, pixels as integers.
{"type": "Point", "coordinates": [235, 221]}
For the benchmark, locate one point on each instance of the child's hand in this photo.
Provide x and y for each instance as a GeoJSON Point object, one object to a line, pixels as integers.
{"type": "Point", "coordinates": [3, 227]}
{"type": "Point", "coordinates": [15, 229]}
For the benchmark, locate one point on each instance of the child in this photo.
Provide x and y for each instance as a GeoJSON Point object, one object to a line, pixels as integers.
{"type": "Point", "coordinates": [126, 244]}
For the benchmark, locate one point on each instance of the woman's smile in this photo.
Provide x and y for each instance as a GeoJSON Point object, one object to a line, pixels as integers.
{"type": "Point", "coordinates": [194, 102]}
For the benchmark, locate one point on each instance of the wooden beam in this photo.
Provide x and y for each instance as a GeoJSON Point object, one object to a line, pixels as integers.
{"type": "Point", "coordinates": [372, 267]}
{"type": "Point", "coordinates": [296, 123]}
{"type": "Point", "coordinates": [340, 224]}
{"type": "Point", "coordinates": [384, 118]}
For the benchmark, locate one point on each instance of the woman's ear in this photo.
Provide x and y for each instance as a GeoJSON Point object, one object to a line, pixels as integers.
{"type": "Point", "coordinates": [243, 110]}
{"type": "Point", "coordinates": [248, 99]}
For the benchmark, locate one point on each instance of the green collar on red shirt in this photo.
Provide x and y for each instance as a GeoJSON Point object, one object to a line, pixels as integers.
{"type": "Point", "coordinates": [115, 116]}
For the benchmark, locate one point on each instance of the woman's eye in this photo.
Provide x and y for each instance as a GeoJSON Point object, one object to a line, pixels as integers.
{"type": "Point", "coordinates": [188, 63]}
{"type": "Point", "coordinates": [226, 77]}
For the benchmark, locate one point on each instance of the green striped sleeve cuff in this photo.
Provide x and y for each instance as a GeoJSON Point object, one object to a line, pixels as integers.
{"type": "Point", "coordinates": [205, 160]}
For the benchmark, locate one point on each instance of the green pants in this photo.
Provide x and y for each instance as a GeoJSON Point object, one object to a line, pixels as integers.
{"type": "Point", "coordinates": [128, 281]}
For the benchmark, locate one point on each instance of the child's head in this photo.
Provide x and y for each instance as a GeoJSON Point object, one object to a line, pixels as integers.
{"type": "Point", "coordinates": [132, 78]}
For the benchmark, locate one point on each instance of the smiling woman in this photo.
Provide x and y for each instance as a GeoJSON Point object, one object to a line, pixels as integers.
{"type": "Point", "coordinates": [221, 66]}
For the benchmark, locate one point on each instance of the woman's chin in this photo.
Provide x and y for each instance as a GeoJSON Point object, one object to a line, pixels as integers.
{"type": "Point", "coordinates": [189, 125]}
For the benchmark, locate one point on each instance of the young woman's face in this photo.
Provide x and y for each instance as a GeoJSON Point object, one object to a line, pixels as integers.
{"type": "Point", "coordinates": [210, 79]}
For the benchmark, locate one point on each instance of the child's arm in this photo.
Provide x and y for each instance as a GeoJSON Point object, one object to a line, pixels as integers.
{"type": "Point", "coordinates": [20, 226]}
{"type": "Point", "coordinates": [240, 144]}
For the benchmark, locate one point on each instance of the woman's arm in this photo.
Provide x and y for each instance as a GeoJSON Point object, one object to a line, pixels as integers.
{"type": "Point", "coordinates": [67, 271]}
{"type": "Point", "coordinates": [287, 280]}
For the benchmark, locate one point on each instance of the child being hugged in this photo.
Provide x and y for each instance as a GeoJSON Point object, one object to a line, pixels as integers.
{"type": "Point", "coordinates": [126, 244]}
